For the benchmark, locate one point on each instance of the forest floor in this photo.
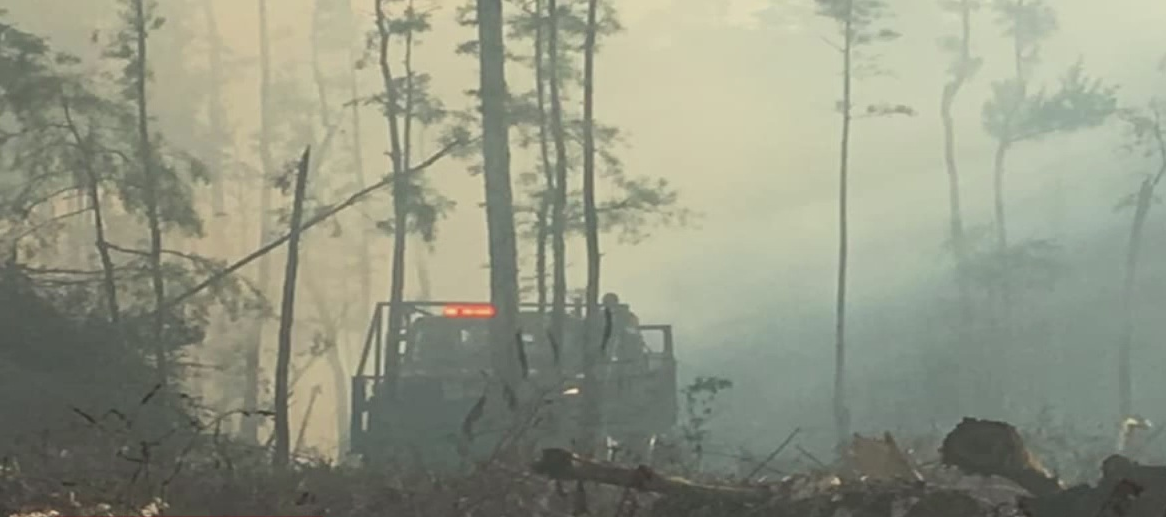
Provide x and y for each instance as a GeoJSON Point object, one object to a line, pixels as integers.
{"type": "Point", "coordinates": [982, 468]}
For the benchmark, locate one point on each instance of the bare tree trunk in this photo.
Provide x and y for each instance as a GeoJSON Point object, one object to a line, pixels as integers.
{"type": "Point", "coordinates": [407, 137]}
{"type": "Point", "coordinates": [499, 197]}
{"type": "Point", "coordinates": [545, 219]}
{"type": "Point", "coordinates": [559, 202]}
{"type": "Point", "coordinates": [217, 163]}
{"type": "Point", "coordinates": [79, 234]}
{"type": "Point", "coordinates": [299, 446]}
{"type": "Point", "coordinates": [401, 229]}
{"type": "Point", "coordinates": [335, 361]}
{"type": "Point", "coordinates": [1144, 201]}
{"type": "Point", "coordinates": [150, 183]}
{"type": "Point", "coordinates": [422, 253]}
{"type": "Point", "coordinates": [340, 397]}
{"type": "Point", "coordinates": [102, 245]}
{"type": "Point", "coordinates": [287, 317]}
{"type": "Point", "coordinates": [358, 165]}
{"type": "Point", "coordinates": [998, 196]}
{"type": "Point", "coordinates": [1003, 146]}
{"type": "Point", "coordinates": [591, 221]}
{"type": "Point", "coordinates": [237, 397]}
{"type": "Point", "coordinates": [318, 70]}
{"type": "Point", "coordinates": [963, 69]}
{"type": "Point", "coordinates": [424, 248]}
{"type": "Point", "coordinates": [544, 207]}
{"type": "Point", "coordinates": [1125, 381]}
{"type": "Point", "coordinates": [250, 427]}
{"type": "Point", "coordinates": [542, 220]}
{"type": "Point", "coordinates": [215, 110]}
{"type": "Point", "coordinates": [592, 396]}
{"type": "Point", "coordinates": [841, 411]}
{"type": "Point", "coordinates": [1001, 290]}
{"type": "Point", "coordinates": [400, 184]}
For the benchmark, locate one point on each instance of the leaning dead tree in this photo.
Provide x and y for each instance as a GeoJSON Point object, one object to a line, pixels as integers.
{"type": "Point", "coordinates": [320, 217]}
{"type": "Point", "coordinates": [287, 315]}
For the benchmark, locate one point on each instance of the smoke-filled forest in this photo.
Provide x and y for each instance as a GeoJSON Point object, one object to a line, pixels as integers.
{"type": "Point", "coordinates": [574, 257]}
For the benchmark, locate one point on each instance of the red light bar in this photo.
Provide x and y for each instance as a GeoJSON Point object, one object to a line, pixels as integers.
{"type": "Point", "coordinates": [469, 310]}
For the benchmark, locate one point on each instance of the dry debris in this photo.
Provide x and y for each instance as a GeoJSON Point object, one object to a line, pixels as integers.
{"type": "Point", "coordinates": [879, 459]}
{"type": "Point", "coordinates": [986, 470]}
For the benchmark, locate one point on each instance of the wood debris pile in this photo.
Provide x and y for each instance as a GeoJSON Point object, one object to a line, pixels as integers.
{"type": "Point", "coordinates": [985, 470]}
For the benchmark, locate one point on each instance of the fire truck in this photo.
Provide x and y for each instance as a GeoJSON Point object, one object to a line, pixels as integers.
{"type": "Point", "coordinates": [413, 393]}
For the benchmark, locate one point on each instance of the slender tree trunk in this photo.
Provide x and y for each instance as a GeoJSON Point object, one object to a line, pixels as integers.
{"type": "Point", "coordinates": [92, 184]}
{"type": "Point", "coordinates": [592, 401]}
{"type": "Point", "coordinates": [250, 427]}
{"type": "Point", "coordinates": [545, 201]}
{"type": "Point", "coordinates": [400, 230]}
{"type": "Point", "coordinates": [1125, 345]}
{"type": "Point", "coordinates": [340, 397]}
{"type": "Point", "coordinates": [1004, 318]}
{"type": "Point", "coordinates": [237, 385]}
{"type": "Point", "coordinates": [591, 220]}
{"type": "Point", "coordinates": [358, 165]}
{"type": "Point", "coordinates": [318, 68]}
{"type": "Point", "coordinates": [1144, 201]}
{"type": "Point", "coordinates": [421, 255]}
{"type": "Point", "coordinates": [956, 221]}
{"type": "Point", "coordinates": [400, 182]}
{"type": "Point", "coordinates": [299, 446]}
{"type": "Point", "coordinates": [546, 220]}
{"type": "Point", "coordinates": [961, 72]}
{"type": "Point", "coordinates": [1003, 325]}
{"type": "Point", "coordinates": [559, 201]}
{"type": "Point", "coordinates": [397, 283]}
{"type": "Point", "coordinates": [950, 91]}
{"type": "Point", "coordinates": [220, 142]}
{"type": "Point", "coordinates": [287, 317]}
{"type": "Point", "coordinates": [1003, 146]}
{"type": "Point", "coordinates": [79, 234]}
{"type": "Point", "coordinates": [998, 162]}
{"type": "Point", "coordinates": [503, 247]}
{"type": "Point", "coordinates": [407, 136]}
{"type": "Point", "coordinates": [103, 251]}
{"type": "Point", "coordinates": [841, 411]}
{"type": "Point", "coordinates": [215, 110]}
{"type": "Point", "coordinates": [424, 248]}
{"type": "Point", "coordinates": [150, 184]}
{"type": "Point", "coordinates": [335, 361]}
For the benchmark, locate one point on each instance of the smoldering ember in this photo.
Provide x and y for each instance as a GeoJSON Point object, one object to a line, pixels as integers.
{"type": "Point", "coordinates": [487, 258]}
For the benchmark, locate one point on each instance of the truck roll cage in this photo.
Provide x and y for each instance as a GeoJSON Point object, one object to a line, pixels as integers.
{"type": "Point", "coordinates": [385, 350]}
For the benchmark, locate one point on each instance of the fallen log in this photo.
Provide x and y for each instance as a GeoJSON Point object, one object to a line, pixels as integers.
{"type": "Point", "coordinates": [796, 496]}
{"type": "Point", "coordinates": [562, 465]}
{"type": "Point", "coordinates": [887, 480]}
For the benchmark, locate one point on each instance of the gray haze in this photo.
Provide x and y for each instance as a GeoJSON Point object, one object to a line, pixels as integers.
{"type": "Point", "coordinates": [734, 105]}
